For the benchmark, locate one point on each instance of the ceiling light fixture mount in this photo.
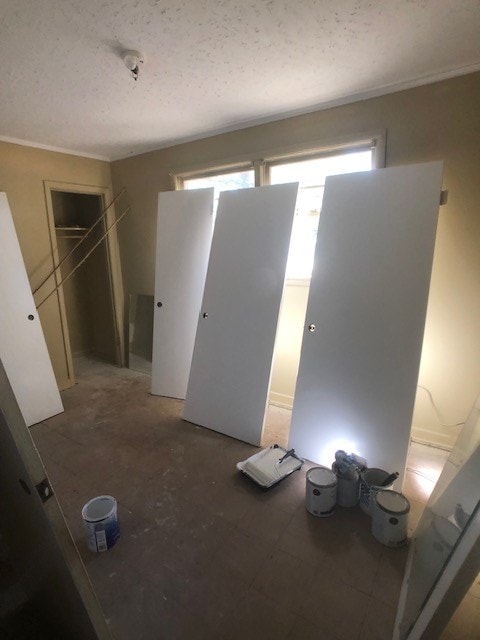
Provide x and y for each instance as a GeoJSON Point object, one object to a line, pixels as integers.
{"type": "Point", "coordinates": [132, 60]}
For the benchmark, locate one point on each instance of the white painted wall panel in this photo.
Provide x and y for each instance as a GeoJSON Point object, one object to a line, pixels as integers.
{"type": "Point", "coordinates": [184, 236]}
{"type": "Point", "coordinates": [368, 298]}
{"type": "Point", "coordinates": [232, 360]}
{"type": "Point", "coordinates": [23, 351]}
{"type": "Point", "coordinates": [446, 537]}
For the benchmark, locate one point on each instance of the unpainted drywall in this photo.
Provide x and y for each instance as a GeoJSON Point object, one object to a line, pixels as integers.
{"type": "Point", "coordinates": [440, 121]}
{"type": "Point", "coordinates": [22, 172]}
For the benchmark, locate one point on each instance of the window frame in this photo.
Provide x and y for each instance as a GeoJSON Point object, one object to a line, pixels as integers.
{"type": "Point", "coordinates": [374, 141]}
{"type": "Point", "coordinates": [179, 177]}
{"type": "Point", "coordinates": [298, 279]}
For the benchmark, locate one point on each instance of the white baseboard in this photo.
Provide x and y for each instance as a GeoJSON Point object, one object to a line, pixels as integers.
{"type": "Point", "coordinates": [280, 400]}
{"type": "Point", "coordinates": [434, 438]}
{"type": "Point", "coordinates": [422, 436]}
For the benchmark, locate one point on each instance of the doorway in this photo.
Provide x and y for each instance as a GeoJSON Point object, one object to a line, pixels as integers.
{"type": "Point", "coordinates": [89, 304]}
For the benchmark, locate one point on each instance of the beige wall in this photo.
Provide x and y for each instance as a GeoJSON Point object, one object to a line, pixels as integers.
{"type": "Point", "coordinates": [439, 121]}
{"type": "Point", "coordinates": [22, 172]}
{"type": "Point", "coordinates": [288, 343]}
{"type": "Point", "coordinates": [434, 122]}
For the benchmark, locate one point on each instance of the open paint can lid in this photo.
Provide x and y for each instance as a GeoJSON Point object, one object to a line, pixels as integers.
{"type": "Point", "coordinates": [392, 502]}
{"type": "Point", "coordinates": [99, 508]}
{"type": "Point", "coordinates": [321, 477]}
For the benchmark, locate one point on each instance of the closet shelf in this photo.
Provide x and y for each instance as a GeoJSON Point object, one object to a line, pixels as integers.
{"type": "Point", "coordinates": [72, 231]}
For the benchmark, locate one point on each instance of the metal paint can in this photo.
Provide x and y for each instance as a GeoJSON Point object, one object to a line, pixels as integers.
{"type": "Point", "coordinates": [100, 519]}
{"type": "Point", "coordinates": [371, 482]}
{"type": "Point", "coordinates": [390, 511]}
{"type": "Point", "coordinates": [347, 492]}
{"type": "Point", "coordinates": [321, 491]}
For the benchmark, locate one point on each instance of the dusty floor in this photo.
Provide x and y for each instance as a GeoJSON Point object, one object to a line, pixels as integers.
{"type": "Point", "coordinates": [203, 552]}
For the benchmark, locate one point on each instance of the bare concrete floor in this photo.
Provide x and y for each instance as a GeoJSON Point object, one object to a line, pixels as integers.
{"type": "Point", "coordinates": [204, 553]}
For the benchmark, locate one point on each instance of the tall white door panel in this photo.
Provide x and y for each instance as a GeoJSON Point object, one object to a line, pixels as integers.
{"type": "Point", "coordinates": [23, 351]}
{"type": "Point", "coordinates": [365, 315]}
{"type": "Point", "coordinates": [230, 374]}
{"type": "Point", "coordinates": [184, 236]}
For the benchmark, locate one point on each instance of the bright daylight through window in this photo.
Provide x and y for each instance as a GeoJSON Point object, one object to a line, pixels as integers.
{"type": "Point", "coordinates": [310, 174]}
{"type": "Point", "coordinates": [222, 182]}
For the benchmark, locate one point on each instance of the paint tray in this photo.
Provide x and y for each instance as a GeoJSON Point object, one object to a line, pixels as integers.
{"type": "Point", "coordinates": [265, 468]}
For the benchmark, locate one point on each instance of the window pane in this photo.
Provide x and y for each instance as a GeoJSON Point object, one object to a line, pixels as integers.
{"type": "Point", "coordinates": [222, 182]}
{"type": "Point", "coordinates": [311, 174]}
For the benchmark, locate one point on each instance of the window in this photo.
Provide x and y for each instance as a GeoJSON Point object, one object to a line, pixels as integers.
{"type": "Point", "coordinates": [222, 182]}
{"type": "Point", "coordinates": [310, 173]}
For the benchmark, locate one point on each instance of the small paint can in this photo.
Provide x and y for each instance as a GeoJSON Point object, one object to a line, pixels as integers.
{"type": "Point", "coordinates": [321, 491]}
{"type": "Point", "coordinates": [370, 482]}
{"type": "Point", "coordinates": [390, 511]}
{"type": "Point", "coordinates": [100, 520]}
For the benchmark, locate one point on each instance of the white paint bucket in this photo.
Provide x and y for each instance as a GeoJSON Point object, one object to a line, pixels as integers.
{"type": "Point", "coordinates": [390, 511]}
{"type": "Point", "coordinates": [321, 491]}
{"type": "Point", "coordinates": [347, 488]}
{"type": "Point", "coordinates": [100, 519]}
{"type": "Point", "coordinates": [371, 482]}
{"type": "Point", "coordinates": [347, 492]}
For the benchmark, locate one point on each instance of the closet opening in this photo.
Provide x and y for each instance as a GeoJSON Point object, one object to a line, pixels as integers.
{"type": "Point", "coordinates": [87, 300]}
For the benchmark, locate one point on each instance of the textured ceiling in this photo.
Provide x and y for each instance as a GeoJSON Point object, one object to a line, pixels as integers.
{"type": "Point", "coordinates": [211, 65]}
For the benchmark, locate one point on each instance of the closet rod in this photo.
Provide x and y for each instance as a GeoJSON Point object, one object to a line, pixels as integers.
{"type": "Point", "coordinates": [79, 243]}
{"type": "Point", "coordinates": [84, 258]}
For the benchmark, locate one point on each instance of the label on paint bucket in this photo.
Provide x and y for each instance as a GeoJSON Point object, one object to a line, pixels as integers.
{"type": "Point", "coordinates": [101, 540]}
